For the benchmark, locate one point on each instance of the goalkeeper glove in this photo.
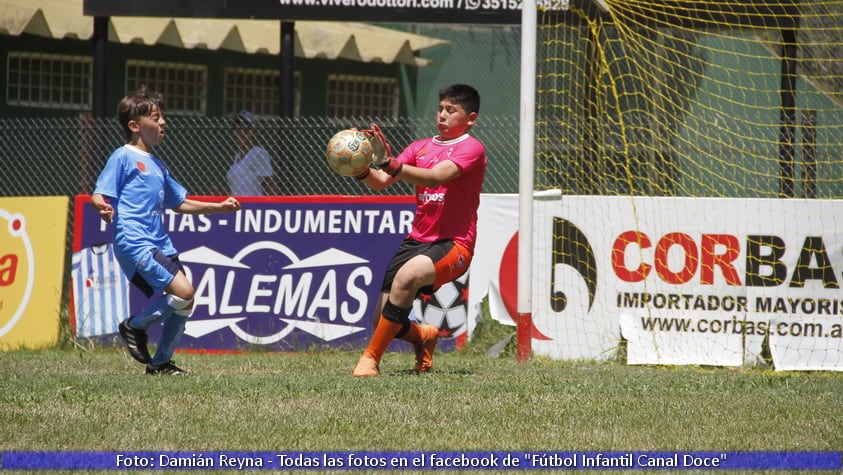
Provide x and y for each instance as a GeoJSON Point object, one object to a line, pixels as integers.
{"type": "Point", "coordinates": [382, 153]}
{"type": "Point", "coordinates": [392, 166]}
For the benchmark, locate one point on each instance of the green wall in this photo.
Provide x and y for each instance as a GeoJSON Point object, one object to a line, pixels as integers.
{"type": "Point", "coordinates": [313, 72]}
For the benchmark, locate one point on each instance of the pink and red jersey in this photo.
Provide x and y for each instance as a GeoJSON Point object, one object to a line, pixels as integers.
{"type": "Point", "coordinates": [448, 211]}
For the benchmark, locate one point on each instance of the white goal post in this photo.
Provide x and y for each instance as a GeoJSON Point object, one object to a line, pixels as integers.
{"type": "Point", "coordinates": [526, 168]}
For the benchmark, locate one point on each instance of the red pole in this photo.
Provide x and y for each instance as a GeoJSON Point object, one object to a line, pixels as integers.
{"type": "Point", "coordinates": [524, 335]}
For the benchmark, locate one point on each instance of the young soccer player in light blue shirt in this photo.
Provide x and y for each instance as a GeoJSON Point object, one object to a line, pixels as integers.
{"type": "Point", "coordinates": [132, 192]}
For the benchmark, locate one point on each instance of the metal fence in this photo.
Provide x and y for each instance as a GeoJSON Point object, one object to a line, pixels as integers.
{"type": "Point", "coordinates": [64, 156]}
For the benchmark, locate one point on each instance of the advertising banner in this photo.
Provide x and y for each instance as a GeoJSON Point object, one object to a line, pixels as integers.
{"type": "Point", "coordinates": [494, 270]}
{"type": "Point", "coordinates": [32, 253]}
{"type": "Point", "coordinates": [412, 11]}
{"type": "Point", "coordinates": [282, 274]}
{"type": "Point", "coordinates": [663, 280]}
{"type": "Point", "coordinates": [690, 280]}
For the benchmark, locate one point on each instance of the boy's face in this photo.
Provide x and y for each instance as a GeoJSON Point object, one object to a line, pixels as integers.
{"type": "Point", "coordinates": [452, 120]}
{"type": "Point", "coordinates": [244, 135]}
{"type": "Point", "coordinates": [149, 128]}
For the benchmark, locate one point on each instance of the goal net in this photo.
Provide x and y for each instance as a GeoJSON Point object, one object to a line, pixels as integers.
{"type": "Point", "coordinates": [688, 176]}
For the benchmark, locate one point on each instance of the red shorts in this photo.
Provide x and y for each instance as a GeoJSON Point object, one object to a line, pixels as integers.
{"type": "Point", "coordinates": [450, 259]}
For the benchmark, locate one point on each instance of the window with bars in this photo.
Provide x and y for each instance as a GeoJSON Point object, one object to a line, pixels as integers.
{"type": "Point", "coordinates": [48, 80]}
{"type": "Point", "coordinates": [256, 90]}
{"type": "Point", "coordinates": [355, 96]}
{"type": "Point", "coordinates": [184, 86]}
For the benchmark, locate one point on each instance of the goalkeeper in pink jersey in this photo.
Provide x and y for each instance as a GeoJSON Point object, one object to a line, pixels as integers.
{"type": "Point", "coordinates": [447, 171]}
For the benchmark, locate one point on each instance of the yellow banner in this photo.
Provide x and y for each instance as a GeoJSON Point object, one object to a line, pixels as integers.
{"type": "Point", "coordinates": [33, 233]}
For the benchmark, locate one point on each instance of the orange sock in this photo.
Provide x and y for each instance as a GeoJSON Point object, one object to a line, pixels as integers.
{"type": "Point", "coordinates": [384, 334]}
{"type": "Point", "coordinates": [412, 335]}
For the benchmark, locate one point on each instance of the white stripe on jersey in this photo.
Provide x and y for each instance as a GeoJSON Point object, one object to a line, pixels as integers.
{"type": "Point", "coordinates": [100, 291]}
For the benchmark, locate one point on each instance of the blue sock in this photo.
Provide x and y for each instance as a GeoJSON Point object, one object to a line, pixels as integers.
{"type": "Point", "coordinates": [170, 336]}
{"type": "Point", "coordinates": [156, 311]}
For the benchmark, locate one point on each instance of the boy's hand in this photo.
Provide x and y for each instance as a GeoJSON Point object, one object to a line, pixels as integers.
{"type": "Point", "coordinates": [107, 213]}
{"type": "Point", "coordinates": [103, 207]}
{"type": "Point", "coordinates": [382, 155]}
{"type": "Point", "coordinates": [229, 204]}
{"type": "Point", "coordinates": [381, 152]}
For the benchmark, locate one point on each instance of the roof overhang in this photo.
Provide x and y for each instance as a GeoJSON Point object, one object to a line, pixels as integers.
{"type": "Point", "coordinates": [60, 19]}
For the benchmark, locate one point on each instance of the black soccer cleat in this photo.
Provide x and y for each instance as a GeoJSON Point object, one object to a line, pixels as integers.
{"type": "Point", "coordinates": [166, 368]}
{"type": "Point", "coordinates": [136, 340]}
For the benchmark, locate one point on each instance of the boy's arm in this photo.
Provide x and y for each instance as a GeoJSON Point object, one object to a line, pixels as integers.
{"type": "Point", "coordinates": [189, 206]}
{"type": "Point", "coordinates": [440, 174]}
{"type": "Point", "coordinates": [103, 207]}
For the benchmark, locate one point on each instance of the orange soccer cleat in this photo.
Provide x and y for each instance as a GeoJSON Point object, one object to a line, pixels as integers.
{"type": "Point", "coordinates": [424, 345]}
{"type": "Point", "coordinates": [366, 366]}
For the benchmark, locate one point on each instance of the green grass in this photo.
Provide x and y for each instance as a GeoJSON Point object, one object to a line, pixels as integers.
{"type": "Point", "coordinates": [78, 400]}
{"type": "Point", "coordinates": [92, 400]}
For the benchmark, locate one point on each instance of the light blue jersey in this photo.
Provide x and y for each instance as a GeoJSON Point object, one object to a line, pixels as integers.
{"type": "Point", "coordinates": [140, 188]}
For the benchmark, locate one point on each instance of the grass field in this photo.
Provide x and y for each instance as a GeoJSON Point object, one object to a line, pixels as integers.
{"type": "Point", "coordinates": [78, 398]}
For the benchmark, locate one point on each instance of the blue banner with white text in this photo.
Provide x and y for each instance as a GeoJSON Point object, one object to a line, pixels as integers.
{"type": "Point", "coordinates": [281, 274]}
{"type": "Point", "coordinates": [431, 461]}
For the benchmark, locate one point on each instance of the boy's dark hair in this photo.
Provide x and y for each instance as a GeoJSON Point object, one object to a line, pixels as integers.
{"type": "Point", "coordinates": [244, 120]}
{"type": "Point", "coordinates": [138, 104]}
{"type": "Point", "coordinates": [462, 94]}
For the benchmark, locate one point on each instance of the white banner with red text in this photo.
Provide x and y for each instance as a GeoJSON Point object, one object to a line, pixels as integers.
{"type": "Point", "coordinates": [689, 280]}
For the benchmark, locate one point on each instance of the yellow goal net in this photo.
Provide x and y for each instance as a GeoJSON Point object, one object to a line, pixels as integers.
{"type": "Point", "coordinates": [688, 176]}
{"type": "Point", "coordinates": [682, 98]}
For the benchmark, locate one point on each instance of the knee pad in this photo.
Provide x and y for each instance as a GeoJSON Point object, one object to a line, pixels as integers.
{"type": "Point", "coordinates": [178, 303]}
{"type": "Point", "coordinates": [395, 314]}
{"type": "Point", "coordinates": [405, 327]}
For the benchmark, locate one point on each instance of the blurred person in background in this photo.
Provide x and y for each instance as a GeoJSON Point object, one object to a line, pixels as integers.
{"type": "Point", "coordinates": [251, 174]}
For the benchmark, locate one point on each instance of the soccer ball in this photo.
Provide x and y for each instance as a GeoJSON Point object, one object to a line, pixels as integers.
{"type": "Point", "coordinates": [349, 152]}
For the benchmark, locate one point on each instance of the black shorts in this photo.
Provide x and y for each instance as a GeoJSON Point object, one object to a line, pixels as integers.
{"type": "Point", "coordinates": [450, 260]}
